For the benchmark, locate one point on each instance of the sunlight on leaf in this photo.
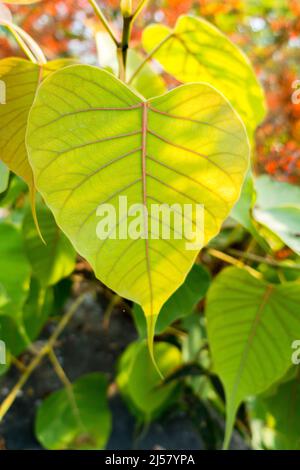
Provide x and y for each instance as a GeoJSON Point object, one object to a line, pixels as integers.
{"type": "Point", "coordinates": [197, 51]}
{"type": "Point", "coordinates": [251, 326]}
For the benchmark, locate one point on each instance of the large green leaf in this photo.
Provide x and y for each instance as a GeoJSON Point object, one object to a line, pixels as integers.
{"type": "Point", "coordinates": [251, 326]}
{"type": "Point", "coordinates": [92, 140]}
{"type": "Point", "coordinates": [196, 50]}
{"type": "Point", "coordinates": [180, 304]}
{"type": "Point", "coordinates": [76, 419]}
{"type": "Point", "coordinates": [21, 79]}
{"type": "Point", "coordinates": [278, 209]}
{"type": "Point", "coordinates": [53, 260]}
{"type": "Point", "coordinates": [140, 383]}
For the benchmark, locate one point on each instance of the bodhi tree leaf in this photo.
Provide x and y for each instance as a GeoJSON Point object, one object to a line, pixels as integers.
{"type": "Point", "coordinates": [242, 211]}
{"type": "Point", "coordinates": [53, 260]}
{"type": "Point", "coordinates": [251, 325]}
{"type": "Point", "coordinates": [140, 383]}
{"type": "Point", "coordinates": [78, 418]}
{"type": "Point", "coordinates": [196, 50]}
{"type": "Point", "coordinates": [93, 140]}
{"type": "Point", "coordinates": [180, 304]}
{"type": "Point", "coordinates": [21, 79]}
{"type": "Point", "coordinates": [278, 209]}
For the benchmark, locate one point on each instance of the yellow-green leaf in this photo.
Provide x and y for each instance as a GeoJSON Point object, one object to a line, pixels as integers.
{"type": "Point", "coordinates": [91, 139]}
{"type": "Point", "coordinates": [251, 326]}
{"type": "Point", "coordinates": [196, 50]}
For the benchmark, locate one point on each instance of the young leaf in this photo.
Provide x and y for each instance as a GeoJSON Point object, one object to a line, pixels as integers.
{"type": "Point", "coordinates": [78, 418]}
{"type": "Point", "coordinates": [180, 304]}
{"type": "Point", "coordinates": [91, 139]}
{"type": "Point", "coordinates": [196, 50]}
{"type": "Point", "coordinates": [140, 383]}
{"type": "Point", "coordinates": [251, 325]}
{"type": "Point", "coordinates": [278, 209]}
{"type": "Point", "coordinates": [53, 260]}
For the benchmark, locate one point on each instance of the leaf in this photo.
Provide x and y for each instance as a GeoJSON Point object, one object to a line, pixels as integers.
{"type": "Point", "coordinates": [196, 50]}
{"type": "Point", "coordinates": [76, 419]}
{"type": "Point", "coordinates": [148, 82]}
{"type": "Point", "coordinates": [180, 304]}
{"type": "Point", "coordinates": [21, 78]}
{"type": "Point", "coordinates": [53, 260]}
{"type": "Point", "coordinates": [92, 140]}
{"type": "Point", "coordinates": [242, 211]}
{"type": "Point", "coordinates": [14, 270]}
{"type": "Point", "coordinates": [140, 383]}
{"type": "Point", "coordinates": [278, 209]}
{"type": "Point", "coordinates": [282, 408]}
{"type": "Point", "coordinates": [4, 177]}
{"type": "Point", "coordinates": [251, 325]}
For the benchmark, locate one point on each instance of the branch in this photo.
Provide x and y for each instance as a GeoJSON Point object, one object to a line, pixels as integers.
{"type": "Point", "coordinates": [100, 15]}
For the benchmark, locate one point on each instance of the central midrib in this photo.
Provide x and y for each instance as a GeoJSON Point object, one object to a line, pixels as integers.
{"type": "Point", "coordinates": [144, 197]}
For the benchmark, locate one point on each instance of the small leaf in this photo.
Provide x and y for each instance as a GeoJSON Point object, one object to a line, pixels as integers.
{"type": "Point", "coordinates": [180, 304]}
{"type": "Point", "coordinates": [196, 50]}
{"type": "Point", "coordinates": [242, 211]}
{"type": "Point", "coordinates": [76, 419]}
{"type": "Point", "coordinates": [251, 325]}
{"type": "Point", "coordinates": [139, 381]}
{"type": "Point", "coordinates": [282, 408]}
{"type": "Point", "coordinates": [53, 260]}
{"type": "Point", "coordinates": [91, 139]}
{"type": "Point", "coordinates": [278, 209]}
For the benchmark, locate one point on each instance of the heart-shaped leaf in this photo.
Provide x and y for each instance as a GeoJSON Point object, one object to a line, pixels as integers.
{"type": "Point", "coordinates": [91, 140]}
{"type": "Point", "coordinates": [78, 418]}
{"type": "Point", "coordinates": [251, 326]}
{"type": "Point", "coordinates": [196, 50]}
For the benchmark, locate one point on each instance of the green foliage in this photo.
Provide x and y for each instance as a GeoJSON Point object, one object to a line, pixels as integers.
{"type": "Point", "coordinates": [278, 209]}
{"type": "Point", "coordinates": [76, 418]}
{"type": "Point", "coordinates": [275, 417]}
{"type": "Point", "coordinates": [251, 326]}
{"type": "Point", "coordinates": [4, 177]}
{"type": "Point", "coordinates": [139, 381]}
{"type": "Point", "coordinates": [180, 304]}
{"type": "Point", "coordinates": [137, 140]}
{"type": "Point", "coordinates": [195, 50]}
{"type": "Point", "coordinates": [53, 259]}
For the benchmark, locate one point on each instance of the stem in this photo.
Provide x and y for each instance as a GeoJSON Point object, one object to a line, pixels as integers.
{"type": "Point", "coordinates": [149, 57]}
{"type": "Point", "coordinates": [235, 262]}
{"type": "Point", "coordinates": [22, 44]}
{"type": "Point", "coordinates": [6, 404]}
{"type": "Point", "coordinates": [100, 15]}
{"type": "Point", "coordinates": [68, 386]}
{"type": "Point", "coordinates": [127, 26]}
{"type": "Point", "coordinates": [140, 7]}
{"type": "Point", "coordinates": [114, 301]}
{"type": "Point", "coordinates": [261, 259]}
